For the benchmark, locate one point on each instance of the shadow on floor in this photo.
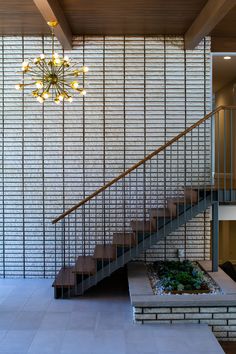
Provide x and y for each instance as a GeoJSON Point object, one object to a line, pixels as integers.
{"type": "Point", "coordinates": [115, 285]}
{"type": "Point", "coordinates": [229, 347]}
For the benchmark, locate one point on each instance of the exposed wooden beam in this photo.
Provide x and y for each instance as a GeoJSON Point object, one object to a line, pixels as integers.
{"type": "Point", "coordinates": [212, 13]}
{"type": "Point", "coordinates": [223, 44]}
{"type": "Point", "coordinates": [51, 10]}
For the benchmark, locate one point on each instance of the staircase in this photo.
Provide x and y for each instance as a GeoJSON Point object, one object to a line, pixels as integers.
{"type": "Point", "coordinates": [143, 205]}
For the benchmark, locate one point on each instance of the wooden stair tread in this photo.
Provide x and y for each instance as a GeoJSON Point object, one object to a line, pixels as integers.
{"type": "Point", "coordinates": [65, 278]}
{"type": "Point", "coordinates": [143, 226]}
{"type": "Point", "coordinates": [160, 212]}
{"type": "Point", "coordinates": [191, 195]}
{"type": "Point", "coordinates": [105, 252]}
{"type": "Point", "coordinates": [206, 188]}
{"type": "Point", "coordinates": [85, 265]}
{"type": "Point", "coordinates": [178, 200]}
{"type": "Point", "coordinates": [124, 239]}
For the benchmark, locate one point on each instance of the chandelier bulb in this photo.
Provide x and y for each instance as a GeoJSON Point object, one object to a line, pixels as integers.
{"type": "Point", "coordinates": [45, 95]}
{"type": "Point", "coordinates": [57, 61]}
{"type": "Point", "coordinates": [83, 92]}
{"type": "Point", "coordinates": [61, 97]}
{"type": "Point", "coordinates": [85, 69]}
{"type": "Point", "coordinates": [25, 63]}
{"type": "Point", "coordinates": [19, 86]}
{"type": "Point", "coordinates": [39, 84]}
{"type": "Point", "coordinates": [42, 56]}
{"type": "Point", "coordinates": [40, 99]}
{"type": "Point", "coordinates": [57, 101]}
{"type": "Point", "coordinates": [74, 84]}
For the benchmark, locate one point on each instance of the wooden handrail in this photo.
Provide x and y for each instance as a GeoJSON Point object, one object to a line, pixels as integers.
{"type": "Point", "coordinates": [141, 162]}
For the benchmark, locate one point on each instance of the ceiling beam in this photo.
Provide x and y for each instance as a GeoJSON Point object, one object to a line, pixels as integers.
{"type": "Point", "coordinates": [223, 44]}
{"type": "Point", "coordinates": [212, 13]}
{"type": "Point", "coordinates": [51, 11]}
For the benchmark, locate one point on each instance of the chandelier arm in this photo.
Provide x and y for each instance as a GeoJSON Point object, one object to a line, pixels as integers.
{"type": "Point", "coordinates": [72, 66]}
{"type": "Point", "coordinates": [36, 68]}
{"type": "Point", "coordinates": [44, 68]}
{"type": "Point", "coordinates": [72, 75]}
{"type": "Point", "coordinates": [59, 71]}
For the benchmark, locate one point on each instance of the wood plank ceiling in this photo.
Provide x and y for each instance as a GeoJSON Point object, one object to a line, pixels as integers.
{"type": "Point", "coordinates": [126, 17]}
{"type": "Point", "coordinates": [131, 16]}
{"type": "Point", "coordinates": [110, 17]}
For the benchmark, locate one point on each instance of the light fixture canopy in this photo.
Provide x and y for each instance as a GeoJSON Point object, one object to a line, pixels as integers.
{"type": "Point", "coordinates": [56, 77]}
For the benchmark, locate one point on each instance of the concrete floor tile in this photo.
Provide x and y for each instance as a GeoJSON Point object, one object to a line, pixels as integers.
{"type": "Point", "coordinates": [110, 320]}
{"type": "Point", "coordinates": [6, 289]}
{"type": "Point", "coordinates": [109, 341]}
{"type": "Point", "coordinates": [16, 342]}
{"type": "Point", "coordinates": [60, 306]}
{"type": "Point", "coordinates": [37, 303]}
{"type": "Point", "coordinates": [6, 319]}
{"type": "Point", "coordinates": [13, 303]}
{"type": "Point", "coordinates": [2, 334]}
{"type": "Point", "coordinates": [27, 320]}
{"type": "Point", "coordinates": [55, 320]}
{"type": "Point", "coordinates": [141, 347]}
{"type": "Point", "coordinates": [81, 320]}
{"type": "Point", "coordinates": [78, 340]}
{"type": "Point", "coordinates": [46, 342]}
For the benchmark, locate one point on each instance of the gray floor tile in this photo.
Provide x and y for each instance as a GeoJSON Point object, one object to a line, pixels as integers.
{"type": "Point", "coordinates": [78, 340]}
{"type": "Point", "coordinates": [110, 320]}
{"type": "Point", "coordinates": [27, 320]}
{"type": "Point", "coordinates": [16, 342]}
{"type": "Point", "coordinates": [37, 303]}
{"type": "Point", "coordinates": [81, 320]}
{"type": "Point", "coordinates": [2, 334]}
{"type": "Point", "coordinates": [6, 319]}
{"type": "Point", "coordinates": [6, 290]}
{"type": "Point", "coordinates": [13, 303]}
{"type": "Point", "coordinates": [141, 346]}
{"type": "Point", "coordinates": [55, 321]}
{"type": "Point", "coordinates": [109, 342]}
{"type": "Point", "coordinates": [46, 342]}
{"type": "Point", "coordinates": [60, 306]}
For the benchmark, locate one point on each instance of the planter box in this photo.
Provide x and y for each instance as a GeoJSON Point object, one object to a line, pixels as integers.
{"type": "Point", "coordinates": [216, 310]}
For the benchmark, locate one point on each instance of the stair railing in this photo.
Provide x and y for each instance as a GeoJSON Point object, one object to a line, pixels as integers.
{"type": "Point", "coordinates": [201, 158]}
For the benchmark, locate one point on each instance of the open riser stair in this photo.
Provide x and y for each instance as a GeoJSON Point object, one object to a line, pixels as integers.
{"type": "Point", "coordinates": [143, 205]}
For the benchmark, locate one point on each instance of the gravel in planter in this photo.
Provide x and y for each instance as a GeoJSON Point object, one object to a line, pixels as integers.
{"type": "Point", "coordinates": [180, 278]}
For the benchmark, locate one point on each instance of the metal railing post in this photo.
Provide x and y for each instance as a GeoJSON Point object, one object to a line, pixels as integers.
{"type": "Point", "coordinates": [215, 236]}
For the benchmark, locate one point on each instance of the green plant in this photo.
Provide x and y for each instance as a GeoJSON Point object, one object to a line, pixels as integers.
{"type": "Point", "coordinates": [179, 276]}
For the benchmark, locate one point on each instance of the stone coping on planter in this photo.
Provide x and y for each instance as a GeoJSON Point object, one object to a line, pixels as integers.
{"type": "Point", "coordinates": [142, 295]}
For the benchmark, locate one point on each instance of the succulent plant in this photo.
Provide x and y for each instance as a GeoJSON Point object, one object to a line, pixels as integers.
{"type": "Point", "coordinates": [179, 276]}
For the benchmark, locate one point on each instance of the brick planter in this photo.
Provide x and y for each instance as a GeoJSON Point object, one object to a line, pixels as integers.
{"type": "Point", "coordinates": [218, 311]}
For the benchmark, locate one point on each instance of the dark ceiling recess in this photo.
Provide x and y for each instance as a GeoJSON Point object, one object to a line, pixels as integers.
{"type": "Point", "coordinates": [224, 71]}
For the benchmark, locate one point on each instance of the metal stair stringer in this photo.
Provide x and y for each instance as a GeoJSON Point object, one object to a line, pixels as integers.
{"type": "Point", "coordinates": [188, 214]}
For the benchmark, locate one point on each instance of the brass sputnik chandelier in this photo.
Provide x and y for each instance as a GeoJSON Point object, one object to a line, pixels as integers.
{"type": "Point", "coordinates": [55, 77]}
